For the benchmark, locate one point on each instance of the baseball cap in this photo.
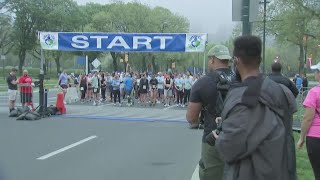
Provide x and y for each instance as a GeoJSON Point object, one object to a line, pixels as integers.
{"type": "Point", "coordinates": [317, 67]}
{"type": "Point", "coordinates": [221, 52]}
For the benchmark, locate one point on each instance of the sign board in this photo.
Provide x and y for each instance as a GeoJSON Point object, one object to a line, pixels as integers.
{"type": "Point", "coordinates": [127, 42]}
{"type": "Point", "coordinates": [96, 63]}
{"type": "Point", "coordinates": [237, 7]}
{"type": "Point", "coordinates": [126, 57]}
{"type": "Point", "coordinates": [81, 60]}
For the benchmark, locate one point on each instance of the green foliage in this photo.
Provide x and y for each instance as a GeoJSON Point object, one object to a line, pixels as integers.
{"type": "Point", "coordinates": [290, 22]}
{"type": "Point", "coordinates": [304, 169]}
{"type": "Point", "coordinates": [6, 30]}
{"type": "Point", "coordinates": [31, 16]}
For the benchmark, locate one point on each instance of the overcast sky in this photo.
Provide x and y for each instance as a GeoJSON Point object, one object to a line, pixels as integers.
{"type": "Point", "coordinates": [210, 16]}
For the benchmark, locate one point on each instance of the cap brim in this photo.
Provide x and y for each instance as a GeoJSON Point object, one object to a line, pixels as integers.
{"type": "Point", "coordinates": [224, 57]}
{"type": "Point", "coordinates": [317, 66]}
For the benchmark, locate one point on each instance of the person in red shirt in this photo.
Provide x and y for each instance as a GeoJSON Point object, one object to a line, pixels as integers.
{"type": "Point", "coordinates": [25, 82]}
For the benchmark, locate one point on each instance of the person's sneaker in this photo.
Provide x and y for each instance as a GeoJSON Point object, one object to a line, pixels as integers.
{"type": "Point", "coordinates": [201, 126]}
{"type": "Point", "coordinates": [94, 103]}
{"type": "Point", "coordinates": [158, 102]}
{"type": "Point", "coordinates": [183, 105]}
{"type": "Point", "coordinates": [194, 126]}
{"type": "Point", "coordinates": [114, 104]}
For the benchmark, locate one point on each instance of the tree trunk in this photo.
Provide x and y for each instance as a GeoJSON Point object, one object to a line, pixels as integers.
{"type": "Point", "coordinates": [114, 61]}
{"type": "Point", "coordinates": [125, 67]}
{"type": "Point", "coordinates": [301, 58]}
{"type": "Point", "coordinates": [22, 56]}
{"type": "Point", "coordinates": [154, 67]}
{"type": "Point", "coordinates": [144, 63]}
{"type": "Point", "coordinates": [57, 60]}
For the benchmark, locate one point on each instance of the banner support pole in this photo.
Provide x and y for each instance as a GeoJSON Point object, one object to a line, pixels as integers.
{"type": "Point", "coordinates": [41, 86]}
{"type": "Point", "coordinates": [87, 65]}
{"type": "Point", "coordinates": [204, 58]}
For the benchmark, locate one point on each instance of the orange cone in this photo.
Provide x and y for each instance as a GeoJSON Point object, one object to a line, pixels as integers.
{"type": "Point", "coordinates": [60, 104]}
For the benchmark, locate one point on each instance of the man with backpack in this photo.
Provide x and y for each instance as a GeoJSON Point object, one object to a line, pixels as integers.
{"type": "Point", "coordinates": [204, 99]}
{"type": "Point", "coordinates": [256, 139]}
{"type": "Point", "coordinates": [277, 77]}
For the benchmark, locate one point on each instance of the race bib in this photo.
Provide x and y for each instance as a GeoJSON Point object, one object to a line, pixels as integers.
{"type": "Point", "coordinates": [95, 90]}
{"type": "Point", "coordinates": [81, 88]}
{"type": "Point", "coordinates": [153, 86]}
{"type": "Point", "coordinates": [144, 87]}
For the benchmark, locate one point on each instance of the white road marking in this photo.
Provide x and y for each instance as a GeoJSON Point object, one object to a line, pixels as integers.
{"type": "Point", "coordinates": [66, 148]}
{"type": "Point", "coordinates": [170, 107]}
{"type": "Point", "coordinates": [195, 175]}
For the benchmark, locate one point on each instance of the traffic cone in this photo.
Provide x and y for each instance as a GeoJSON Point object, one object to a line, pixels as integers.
{"type": "Point", "coordinates": [60, 104]}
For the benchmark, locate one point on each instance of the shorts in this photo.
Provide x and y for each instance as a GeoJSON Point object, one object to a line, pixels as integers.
{"type": "Point", "coordinates": [12, 94]}
{"type": "Point", "coordinates": [96, 90]}
{"type": "Point", "coordinates": [160, 91]}
{"type": "Point", "coordinates": [64, 86]}
{"type": "Point", "coordinates": [128, 92]}
{"type": "Point", "coordinates": [168, 92]}
{"type": "Point", "coordinates": [26, 97]}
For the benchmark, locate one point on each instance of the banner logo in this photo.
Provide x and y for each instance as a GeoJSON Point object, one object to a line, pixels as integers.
{"type": "Point", "coordinates": [195, 42]}
{"type": "Point", "coordinates": [49, 41]}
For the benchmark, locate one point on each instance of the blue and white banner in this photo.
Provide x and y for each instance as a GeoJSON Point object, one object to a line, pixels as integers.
{"type": "Point", "coordinates": [123, 42]}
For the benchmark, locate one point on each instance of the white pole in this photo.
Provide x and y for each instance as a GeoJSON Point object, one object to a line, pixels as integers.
{"type": "Point", "coordinates": [87, 65]}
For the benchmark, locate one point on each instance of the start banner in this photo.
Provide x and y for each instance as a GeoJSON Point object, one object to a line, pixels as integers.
{"type": "Point", "coordinates": [123, 42]}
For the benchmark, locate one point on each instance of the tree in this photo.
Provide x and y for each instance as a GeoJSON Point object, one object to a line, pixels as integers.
{"type": "Point", "coordinates": [294, 26]}
{"type": "Point", "coordinates": [25, 19]}
{"type": "Point", "coordinates": [6, 30]}
{"type": "Point", "coordinates": [135, 17]}
{"type": "Point", "coordinates": [58, 16]}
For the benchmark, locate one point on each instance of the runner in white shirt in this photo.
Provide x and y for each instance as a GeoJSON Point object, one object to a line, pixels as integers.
{"type": "Point", "coordinates": [178, 83]}
{"type": "Point", "coordinates": [187, 88]}
{"type": "Point", "coordinates": [160, 79]}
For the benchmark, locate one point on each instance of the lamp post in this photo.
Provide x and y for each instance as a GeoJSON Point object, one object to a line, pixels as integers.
{"type": "Point", "coordinates": [204, 58]}
{"type": "Point", "coordinates": [264, 35]}
{"type": "Point", "coordinates": [246, 25]}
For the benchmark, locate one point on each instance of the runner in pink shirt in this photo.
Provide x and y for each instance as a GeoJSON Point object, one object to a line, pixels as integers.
{"type": "Point", "coordinates": [310, 127]}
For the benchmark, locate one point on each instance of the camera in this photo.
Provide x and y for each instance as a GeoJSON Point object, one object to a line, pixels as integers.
{"type": "Point", "coordinates": [210, 139]}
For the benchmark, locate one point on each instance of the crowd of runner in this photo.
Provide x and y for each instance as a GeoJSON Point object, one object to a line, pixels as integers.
{"type": "Point", "coordinates": [142, 88]}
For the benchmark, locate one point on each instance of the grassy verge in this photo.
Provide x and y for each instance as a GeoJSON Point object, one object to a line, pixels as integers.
{"type": "Point", "coordinates": [304, 169]}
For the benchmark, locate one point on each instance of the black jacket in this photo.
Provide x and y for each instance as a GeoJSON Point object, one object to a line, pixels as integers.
{"type": "Point", "coordinates": [278, 78]}
{"type": "Point", "coordinates": [256, 139]}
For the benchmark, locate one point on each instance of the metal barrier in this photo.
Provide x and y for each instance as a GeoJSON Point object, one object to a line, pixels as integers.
{"type": "Point", "coordinates": [298, 116]}
{"type": "Point", "coordinates": [26, 95]}
{"type": "Point", "coordinates": [72, 95]}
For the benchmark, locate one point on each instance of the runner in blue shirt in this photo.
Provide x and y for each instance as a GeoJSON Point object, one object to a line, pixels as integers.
{"type": "Point", "coordinates": [128, 85]}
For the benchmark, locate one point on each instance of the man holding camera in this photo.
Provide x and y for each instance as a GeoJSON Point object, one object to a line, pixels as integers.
{"type": "Point", "coordinates": [256, 140]}
{"type": "Point", "coordinates": [204, 96]}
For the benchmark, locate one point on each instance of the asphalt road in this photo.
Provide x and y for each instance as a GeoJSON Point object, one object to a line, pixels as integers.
{"type": "Point", "coordinates": [100, 143]}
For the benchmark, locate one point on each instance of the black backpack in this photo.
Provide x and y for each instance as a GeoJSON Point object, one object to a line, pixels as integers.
{"type": "Point", "coordinates": [223, 85]}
